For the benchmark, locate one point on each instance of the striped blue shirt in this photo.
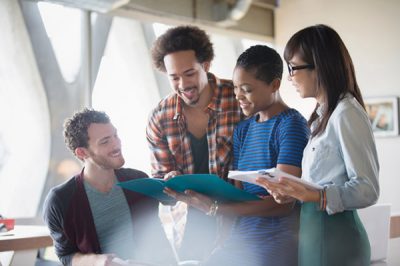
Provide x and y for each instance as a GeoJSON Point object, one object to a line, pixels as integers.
{"type": "Point", "coordinates": [254, 240]}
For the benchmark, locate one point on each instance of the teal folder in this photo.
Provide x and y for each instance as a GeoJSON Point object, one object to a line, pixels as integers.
{"type": "Point", "coordinates": [207, 184]}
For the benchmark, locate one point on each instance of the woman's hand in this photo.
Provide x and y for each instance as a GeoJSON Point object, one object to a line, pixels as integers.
{"type": "Point", "coordinates": [279, 198]}
{"type": "Point", "coordinates": [282, 199]}
{"type": "Point", "coordinates": [192, 198]}
{"type": "Point", "coordinates": [283, 189]}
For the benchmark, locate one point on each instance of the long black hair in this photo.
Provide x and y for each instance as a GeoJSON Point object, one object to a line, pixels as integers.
{"type": "Point", "coordinates": [321, 46]}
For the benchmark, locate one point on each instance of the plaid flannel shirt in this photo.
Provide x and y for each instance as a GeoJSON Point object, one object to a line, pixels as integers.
{"type": "Point", "coordinates": [167, 132]}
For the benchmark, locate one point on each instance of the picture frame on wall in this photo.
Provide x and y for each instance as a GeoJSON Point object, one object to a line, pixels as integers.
{"type": "Point", "coordinates": [383, 113]}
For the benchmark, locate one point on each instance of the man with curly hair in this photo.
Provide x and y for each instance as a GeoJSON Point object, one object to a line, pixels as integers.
{"type": "Point", "coordinates": [92, 220]}
{"type": "Point", "coordinates": [190, 131]}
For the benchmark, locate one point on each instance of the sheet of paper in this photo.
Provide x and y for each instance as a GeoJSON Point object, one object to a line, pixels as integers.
{"type": "Point", "coordinates": [272, 174]}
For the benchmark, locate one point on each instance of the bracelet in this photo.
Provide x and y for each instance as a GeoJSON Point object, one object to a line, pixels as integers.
{"type": "Point", "coordinates": [322, 199]}
{"type": "Point", "coordinates": [213, 209]}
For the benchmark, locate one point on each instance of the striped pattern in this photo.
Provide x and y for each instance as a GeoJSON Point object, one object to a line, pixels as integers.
{"type": "Point", "coordinates": [112, 220]}
{"type": "Point", "coordinates": [279, 140]}
{"type": "Point", "coordinates": [259, 241]}
{"type": "Point", "coordinates": [170, 144]}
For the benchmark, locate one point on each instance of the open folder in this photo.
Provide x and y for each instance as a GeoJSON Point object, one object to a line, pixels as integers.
{"type": "Point", "coordinates": [207, 184]}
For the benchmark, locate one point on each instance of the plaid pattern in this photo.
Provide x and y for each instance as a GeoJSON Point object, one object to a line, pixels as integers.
{"type": "Point", "coordinates": [167, 133]}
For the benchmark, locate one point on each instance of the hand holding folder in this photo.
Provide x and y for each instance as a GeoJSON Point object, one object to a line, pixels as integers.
{"type": "Point", "coordinates": [207, 184]}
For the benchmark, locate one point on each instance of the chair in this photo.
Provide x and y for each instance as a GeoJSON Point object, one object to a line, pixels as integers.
{"type": "Point", "coordinates": [376, 220]}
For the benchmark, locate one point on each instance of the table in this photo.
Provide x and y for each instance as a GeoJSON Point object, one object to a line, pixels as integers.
{"type": "Point", "coordinates": [24, 240]}
{"type": "Point", "coordinates": [25, 237]}
{"type": "Point", "coordinates": [395, 226]}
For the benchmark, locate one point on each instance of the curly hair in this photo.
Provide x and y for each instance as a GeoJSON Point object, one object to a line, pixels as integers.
{"type": "Point", "coordinates": [182, 38]}
{"type": "Point", "coordinates": [76, 127]}
{"type": "Point", "coordinates": [264, 61]}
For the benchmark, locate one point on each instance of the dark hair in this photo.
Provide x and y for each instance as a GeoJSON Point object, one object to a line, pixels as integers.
{"type": "Point", "coordinates": [182, 38]}
{"type": "Point", "coordinates": [321, 46]}
{"type": "Point", "coordinates": [76, 128]}
{"type": "Point", "coordinates": [264, 61]}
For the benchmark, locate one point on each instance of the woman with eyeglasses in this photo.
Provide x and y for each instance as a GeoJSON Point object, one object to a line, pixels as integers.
{"type": "Point", "coordinates": [340, 156]}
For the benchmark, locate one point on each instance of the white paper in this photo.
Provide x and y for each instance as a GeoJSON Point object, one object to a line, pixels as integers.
{"type": "Point", "coordinates": [272, 174]}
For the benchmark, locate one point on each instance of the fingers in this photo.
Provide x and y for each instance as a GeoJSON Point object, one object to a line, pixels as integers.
{"type": "Point", "coordinates": [191, 198]}
{"type": "Point", "coordinates": [267, 184]}
{"type": "Point", "coordinates": [282, 199]}
{"type": "Point", "coordinates": [171, 175]}
{"type": "Point", "coordinates": [195, 195]}
{"type": "Point", "coordinates": [279, 189]}
{"type": "Point", "coordinates": [108, 259]}
{"type": "Point", "coordinates": [172, 193]}
{"type": "Point", "coordinates": [285, 190]}
{"type": "Point", "coordinates": [179, 196]}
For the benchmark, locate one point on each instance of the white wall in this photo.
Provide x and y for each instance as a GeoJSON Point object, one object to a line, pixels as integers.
{"type": "Point", "coordinates": [24, 119]}
{"type": "Point", "coordinates": [126, 71]}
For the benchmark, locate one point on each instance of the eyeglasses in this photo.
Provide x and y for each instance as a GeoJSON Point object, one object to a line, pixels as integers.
{"type": "Point", "coordinates": [293, 68]}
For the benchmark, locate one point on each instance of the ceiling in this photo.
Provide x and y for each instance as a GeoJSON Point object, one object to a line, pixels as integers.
{"type": "Point", "coordinates": [251, 18]}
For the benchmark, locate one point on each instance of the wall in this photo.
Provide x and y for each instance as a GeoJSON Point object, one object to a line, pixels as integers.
{"type": "Point", "coordinates": [134, 89]}
{"type": "Point", "coordinates": [24, 119]}
{"type": "Point", "coordinates": [370, 30]}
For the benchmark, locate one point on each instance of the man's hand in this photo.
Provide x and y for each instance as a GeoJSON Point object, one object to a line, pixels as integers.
{"type": "Point", "coordinates": [80, 259]}
{"type": "Point", "coordinates": [104, 260]}
{"type": "Point", "coordinates": [171, 175]}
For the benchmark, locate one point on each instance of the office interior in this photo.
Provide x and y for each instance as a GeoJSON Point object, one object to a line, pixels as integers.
{"type": "Point", "coordinates": [57, 56]}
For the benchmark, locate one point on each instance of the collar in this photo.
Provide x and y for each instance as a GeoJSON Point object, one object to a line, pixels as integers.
{"type": "Point", "coordinates": [215, 83]}
{"type": "Point", "coordinates": [81, 180]}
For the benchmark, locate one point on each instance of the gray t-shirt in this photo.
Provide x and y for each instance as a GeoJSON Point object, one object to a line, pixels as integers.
{"type": "Point", "coordinates": [112, 220]}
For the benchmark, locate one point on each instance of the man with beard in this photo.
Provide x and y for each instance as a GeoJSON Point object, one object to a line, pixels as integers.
{"type": "Point", "coordinates": [91, 220]}
{"type": "Point", "coordinates": [190, 131]}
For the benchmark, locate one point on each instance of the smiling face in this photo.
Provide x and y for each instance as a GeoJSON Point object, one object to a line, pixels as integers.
{"type": "Point", "coordinates": [187, 76]}
{"type": "Point", "coordinates": [104, 147]}
{"type": "Point", "coordinates": [304, 80]}
{"type": "Point", "coordinates": [254, 95]}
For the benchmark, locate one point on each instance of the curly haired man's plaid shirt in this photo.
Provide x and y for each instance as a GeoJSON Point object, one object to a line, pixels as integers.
{"type": "Point", "coordinates": [170, 144]}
